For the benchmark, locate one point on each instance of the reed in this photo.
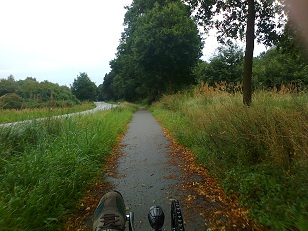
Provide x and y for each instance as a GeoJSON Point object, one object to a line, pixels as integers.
{"type": "Point", "coordinates": [258, 152]}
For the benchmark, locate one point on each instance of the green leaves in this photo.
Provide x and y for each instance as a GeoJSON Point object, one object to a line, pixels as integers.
{"type": "Point", "coordinates": [233, 18]}
{"type": "Point", "coordinates": [226, 65]}
{"type": "Point", "coordinates": [238, 19]}
{"type": "Point", "coordinates": [83, 88]}
{"type": "Point", "coordinates": [30, 93]}
{"type": "Point", "coordinates": [276, 67]}
{"type": "Point", "coordinates": [159, 47]}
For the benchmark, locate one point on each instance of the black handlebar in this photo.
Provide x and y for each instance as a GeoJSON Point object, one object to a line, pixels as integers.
{"type": "Point", "coordinates": [156, 218]}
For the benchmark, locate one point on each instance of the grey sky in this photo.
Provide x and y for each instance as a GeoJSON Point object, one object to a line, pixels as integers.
{"type": "Point", "coordinates": [54, 40]}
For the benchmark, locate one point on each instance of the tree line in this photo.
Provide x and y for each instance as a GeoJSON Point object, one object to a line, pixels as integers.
{"type": "Point", "coordinates": [270, 69]}
{"type": "Point", "coordinates": [160, 45]}
{"type": "Point", "coordinates": [30, 93]}
{"type": "Point", "coordinates": [160, 49]}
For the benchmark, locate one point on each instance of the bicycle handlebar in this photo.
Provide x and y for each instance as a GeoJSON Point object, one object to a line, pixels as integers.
{"type": "Point", "coordinates": [156, 218]}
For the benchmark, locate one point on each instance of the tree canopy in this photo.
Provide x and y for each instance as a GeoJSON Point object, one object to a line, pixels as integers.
{"type": "Point", "coordinates": [283, 65]}
{"type": "Point", "coordinates": [241, 19]}
{"type": "Point", "coordinates": [226, 65]}
{"type": "Point", "coordinates": [30, 93]}
{"type": "Point", "coordinates": [276, 67]}
{"type": "Point", "coordinates": [83, 88]}
{"type": "Point", "coordinates": [160, 45]}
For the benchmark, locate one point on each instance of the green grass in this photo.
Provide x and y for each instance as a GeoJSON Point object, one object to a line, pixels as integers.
{"type": "Point", "coordinates": [45, 166]}
{"type": "Point", "coordinates": [259, 153]}
{"type": "Point", "coordinates": [13, 115]}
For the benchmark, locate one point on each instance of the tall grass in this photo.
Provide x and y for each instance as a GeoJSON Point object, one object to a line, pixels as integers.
{"type": "Point", "coordinates": [258, 152]}
{"type": "Point", "coordinates": [46, 166]}
{"type": "Point", "coordinates": [14, 115]}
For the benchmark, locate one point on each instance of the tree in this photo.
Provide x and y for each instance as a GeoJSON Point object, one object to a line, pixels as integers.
{"type": "Point", "coordinates": [11, 101]}
{"type": "Point", "coordinates": [28, 88]}
{"type": "Point", "coordinates": [35, 94]}
{"type": "Point", "coordinates": [236, 18]}
{"type": "Point", "coordinates": [276, 67]}
{"type": "Point", "coordinates": [83, 88]}
{"type": "Point", "coordinates": [167, 45]}
{"type": "Point", "coordinates": [105, 91]}
{"type": "Point", "coordinates": [157, 51]}
{"type": "Point", "coordinates": [8, 85]}
{"type": "Point", "coordinates": [225, 65]}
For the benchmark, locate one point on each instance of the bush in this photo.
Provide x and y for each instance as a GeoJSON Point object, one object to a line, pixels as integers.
{"type": "Point", "coordinates": [11, 101]}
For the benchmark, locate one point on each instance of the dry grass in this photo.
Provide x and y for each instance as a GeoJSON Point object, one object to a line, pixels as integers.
{"type": "Point", "coordinates": [259, 152]}
{"type": "Point", "coordinates": [14, 115]}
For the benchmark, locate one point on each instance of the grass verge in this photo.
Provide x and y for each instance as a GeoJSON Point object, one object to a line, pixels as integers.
{"type": "Point", "coordinates": [46, 166]}
{"type": "Point", "coordinates": [14, 115]}
{"type": "Point", "coordinates": [259, 153]}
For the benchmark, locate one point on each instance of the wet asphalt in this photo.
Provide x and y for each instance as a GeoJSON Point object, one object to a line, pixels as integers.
{"type": "Point", "coordinates": [145, 176]}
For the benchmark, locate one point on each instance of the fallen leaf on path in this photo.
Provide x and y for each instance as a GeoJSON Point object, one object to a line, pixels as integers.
{"type": "Point", "coordinates": [206, 196]}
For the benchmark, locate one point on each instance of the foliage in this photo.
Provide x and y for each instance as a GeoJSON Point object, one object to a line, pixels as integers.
{"type": "Point", "coordinates": [275, 67]}
{"type": "Point", "coordinates": [167, 45]}
{"type": "Point", "coordinates": [10, 101]}
{"type": "Point", "coordinates": [100, 93]}
{"type": "Point", "coordinates": [292, 41]}
{"type": "Point", "coordinates": [83, 88]}
{"type": "Point", "coordinates": [47, 165]}
{"type": "Point", "coordinates": [259, 153]}
{"type": "Point", "coordinates": [226, 65]}
{"type": "Point", "coordinates": [156, 52]}
{"type": "Point", "coordinates": [269, 18]}
{"type": "Point", "coordinates": [37, 94]}
{"type": "Point", "coordinates": [234, 19]}
{"type": "Point", "coordinates": [8, 85]}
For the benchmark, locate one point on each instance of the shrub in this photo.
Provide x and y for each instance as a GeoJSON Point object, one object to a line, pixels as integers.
{"type": "Point", "coordinates": [11, 101]}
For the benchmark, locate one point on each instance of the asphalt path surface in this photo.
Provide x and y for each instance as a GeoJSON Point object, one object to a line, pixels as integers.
{"type": "Point", "coordinates": [150, 172]}
{"type": "Point", "coordinates": [145, 175]}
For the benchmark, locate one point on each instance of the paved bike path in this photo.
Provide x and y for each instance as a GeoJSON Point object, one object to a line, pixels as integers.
{"type": "Point", "coordinates": [145, 175]}
{"type": "Point", "coordinates": [99, 107]}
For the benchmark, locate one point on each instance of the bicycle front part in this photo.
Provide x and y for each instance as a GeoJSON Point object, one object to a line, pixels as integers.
{"type": "Point", "coordinates": [156, 217]}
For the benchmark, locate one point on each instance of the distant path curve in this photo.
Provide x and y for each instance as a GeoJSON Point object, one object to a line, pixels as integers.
{"type": "Point", "coordinates": [99, 107]}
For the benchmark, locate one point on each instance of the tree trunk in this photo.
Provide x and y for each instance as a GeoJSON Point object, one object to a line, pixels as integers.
{"type": "Point", "coordinates": [250, 36]}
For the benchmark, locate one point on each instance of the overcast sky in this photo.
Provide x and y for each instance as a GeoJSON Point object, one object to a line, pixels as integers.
{"type": "Point", "coordinates": [54, 40]}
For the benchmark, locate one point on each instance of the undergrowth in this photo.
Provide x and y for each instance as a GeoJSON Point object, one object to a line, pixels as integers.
{"type": "Point", "coordinates": [259, 152]}
{"type": "Point", "coordinates": [47, 165]}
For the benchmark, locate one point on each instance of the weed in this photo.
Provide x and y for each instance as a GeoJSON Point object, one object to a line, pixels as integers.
{"type": "Point", "coordinates": [259, 152]}
{"type": "Point", "coordinates": [43, 177]}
